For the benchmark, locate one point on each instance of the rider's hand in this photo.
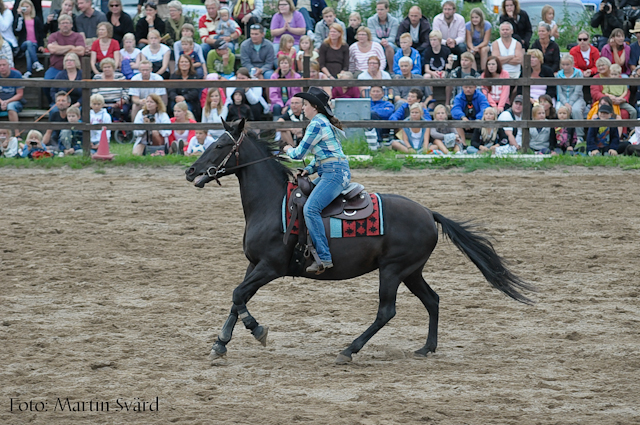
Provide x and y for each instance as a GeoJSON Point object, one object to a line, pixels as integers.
{"type": "Point", "coordinates": [302, 173]}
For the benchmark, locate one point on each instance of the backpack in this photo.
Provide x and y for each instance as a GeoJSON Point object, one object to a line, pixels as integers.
{"type": "Point", "coordinates": [126, 69]}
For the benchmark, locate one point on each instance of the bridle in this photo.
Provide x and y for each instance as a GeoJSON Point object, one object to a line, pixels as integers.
{"type": "Point", "coordinates": [214, 171]}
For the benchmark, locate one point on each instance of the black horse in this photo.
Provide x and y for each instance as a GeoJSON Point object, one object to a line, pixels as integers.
{"type": "Point", "coordinates": [410, 236]}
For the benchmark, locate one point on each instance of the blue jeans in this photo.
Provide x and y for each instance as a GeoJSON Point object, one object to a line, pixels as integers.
{"type": "Point", "coordinates": [31, 50]}
{"type": "Point", "coordinates": [334, 178]}
{"type": "Point", "coordinates": [311, 25]}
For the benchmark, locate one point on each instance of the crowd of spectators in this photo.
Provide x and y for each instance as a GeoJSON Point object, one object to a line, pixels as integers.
{"type": "Point", "coordinates": [161, 42]}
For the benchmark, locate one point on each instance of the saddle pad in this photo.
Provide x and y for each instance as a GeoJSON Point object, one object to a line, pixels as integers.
{"type": "Point", "coordinates": [370, 226]}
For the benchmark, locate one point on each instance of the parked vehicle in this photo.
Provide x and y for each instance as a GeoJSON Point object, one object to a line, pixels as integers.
{"type": "Point", "coordinates": [575, 8]}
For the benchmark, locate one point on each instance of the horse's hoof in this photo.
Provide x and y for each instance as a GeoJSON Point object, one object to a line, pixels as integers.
{"type": "Point", "coordinates": [217, 358]}
{"type": "Point", "coordinates": [343, 359]}
{"type": "Point", "coordinates": [423, 353]}
{"type": "Point", "coordinates": [260, 333]}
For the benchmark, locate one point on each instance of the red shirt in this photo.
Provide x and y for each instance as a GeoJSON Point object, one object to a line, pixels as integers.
{"type": "Point", "coordinates": [113, 47]}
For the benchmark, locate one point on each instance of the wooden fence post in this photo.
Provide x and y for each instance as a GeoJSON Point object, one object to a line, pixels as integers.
{"type": "Point", "coordinates": [526, 103]}
{"type": "Point", "coordinates": [86, 106]}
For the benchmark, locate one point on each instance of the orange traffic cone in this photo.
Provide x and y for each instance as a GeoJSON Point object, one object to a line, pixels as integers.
{"type": "Point", "coordinates": [103, 148]}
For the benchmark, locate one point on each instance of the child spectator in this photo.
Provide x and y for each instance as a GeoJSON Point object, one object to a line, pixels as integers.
{"type": "Point", "coordinates": [548, 15]}
{"type": "Point", "coordinates": [487, 139]}
{"type": "Point", "coordinates": [99, 115]}
{"type": "Point", "coordinates": [570, 96]}
{"type": "Point", "coordinates": [468, 106]}
{"type": "Point", "coordinates": [414, 96]}
{"type": "Point", "coordinates": [566, 138]}
{"type": "Point", "coordinates": [227, 29]}
{"type": "Point", "coordinates": [547, 103]}
{"type": "Point", "coordinates": [8, 144]}
{"type": "Point", "coordinates": [306, 49]}
{"type": "Point", "coordinates": [406, 50]}
{"type": "Point", "coordinates": [239, 107]}
{"type": "Point", "coordinates": [619, 91]}
{"type": "Point", "coordinates": [380, 109]}
{"type": "Point", "coordinates": [187, 30]}
{"type": "Point", "coordinates": [497, 96]}
{"type": "Point", "coordinates": [179, 139]}
{"type": "Point", "coordinates": [280, 97]}
{"type": "Point", "coordinates": [29, 30]}
{"type": "Point", "coordinates": [603, 140]}
{"type": "Point", "coordinates": [130, 56]}
{"type": "Point", "coordinates": [435, 56]}
{"type": "Point", "coordinates": [287, 48]}
{"type": "Point", "coordinates": [158, 54]}
{"type": "Point", "coordinates": [445, 138]}
{"type": "Point", "coordinates": [221, 60]}
{"type": "Point", "coordinates": [465, 70]}
{"type": "Point", "coordinates": [33, 147]}
{"type": "Point", "coordinates": [542, 140]}
{"type": "Point", "coordinates": [355, 21]}
{"type": "Point", "coordinates": [70, 141]}
{"type": "Point", "coordinates": [478, 35]}
{"type": "Point", "coordinates": [199, 143]}
{"type": "Point", "coordinates": [412, 139]}
{"type": "Point", "coordinates": [345, 92]}
{"type": "Point", "coordinates": [188, 49]}
{"type": "Point", "coordinates": [214, 111]}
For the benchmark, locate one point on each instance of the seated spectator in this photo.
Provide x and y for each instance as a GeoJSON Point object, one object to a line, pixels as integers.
{"type": "Point", "coordinates": [615, 108]}
{"type": "Point", "coordinates": [71, 72]}
{"type": "Point", "coordinates": [407, 51]}
{"type": "Point", "coordinates": [345, 92]}
{"type": "Point", "coordinates": [30, 32]}
{"type": "Point", "coordinates": [151, 22]}
{"type": "Point", "coordinates": [189, 50]}
{"type": "Point", "coordinates": [400, 93]}
{"type": "Point", "coordinates": [179, 139]}
{"type": "Point", "coordinates": [445, 138]}
{"type": "Point", "coordinates": [380, 109]}
{"type": "Point", "coordinates": [617, 51]}
{"type": "Point", "coordinates": [619, 92]}
{"type": "Point", "coordinates": [130, 55]}
{"type": "Point", "coordinates": [519, 20]}
{"type": "Point", "coordinates": [88, 19]}
{"type": "Point", "coordinates": [374, 73]}
{"type": "Point", "coordinates": [139, 95]}
{"type": "Point", "coordinates": [51, 138]}
{"type": "Point", "coordinates": [287, 21]}
{"type": "Point", "coordinates": [121, 21]}
{"type": "Point", "coordinates": [498, 96]}
{"type": "Point", "coordinates": [549, 48]}
{"type": "Point", "coordinates": [634, 54]}
{"type": "Point", "coordinates": [315, 74]}
{"type": "Point", "coordinates": [116, 99]}
{"type": "Point", "coordinates": [70, 141]}
{"type": "Point", "coordinates": [253, 95]}
{"type": "Point", "coordinates": [280, 97]}
{"type": "Point", "coordinates": [323, 26]}
{"type": "Point", "coordinates": [570, 96]}
{"type": "Point", "coordinates": [99, 116]}
{"type": "Point", "coordinates": [306, 50]}
{"type": "Point", "coordinates": [175, 23]}
{"type": "Point", "coordinates": [418, 27]}
{"type": "Point", "coordinates": [66, 8]}
{"type": "Point", "coordinates": [487, 139]}
{"type": "Point", "coordinates": [412, 139]}
{"type": "Point", "coordinates": [333, 55]}
{"type": "Point", "coordinates": [6, 25]}
{"type": "Point", "coordinates": [220, 60]}
{"type": "Point", "coordinates": [603, 140]}
{"type": "Point", "coordinates": [355, 22]}
{"type": "Point", "coordinates": [452, 28]}
{"type": "Point", "coordinates": [465, 70]}
{"type": "Point", "coordinates": [6, 51]}
{"type": "Point", "coordinates": [435, 56]}
{"type": "Point", "coordinates": [468, 106]}
{"type": "Point", "coordinates": [508, 49]}
{"type": "Point", "coordinates": [104, 43]}
{"type": "Point", "coordinates": [257, 52]}
{"type": "Point", "coordinates": [609, 17]}
{"type": "Point", "coordinates": [311, 12]}
{"type": "Point", "coordinates": [360, 52]}
{"type": "Point", "coordinates": [153, 111]}
{"type": "Point", "coordinates": [199, 143]}
{"type": "Point", "coordinates": [214, 111]}
{"type": "Point", "coordinates": [239, 107]}
{"type": "Point", "coordinates": [478, 33]}
{"type": "Point", "coordinates": [33, 147]}
{"type": "Point", "coordinates": [286, 48]}
{"type": "Point", "coordinates": [384, 29]}
{"type": "Point", "coordinates": [402, 111]}
{"type": "Point", "coordinates": [294, 113]}
{"type": "Point", "coordinates": [549, 110]}
{"type": "Point", "coordinates": [538, 69]}
{"type": "Point", "coordinates": [8, 144]}
{"type": "Point", "coordinates": [11, 97]}
{"type": "Point", "coordinates": [158, 54]}
{"type": "Point", "coordinates": [603, 67]}
{"type": "Point", "coordinates": [60, 43]}
{"type": "Point", "coordinates": [187, 94]}
{"type": "Point", "coordinates": [514, 134]}
{"type": "Point", "coordinates": [247, 13]}
{"type": "Point", "coordinates": [548, 14]}
{"type": "Point", "coordinates": [566, 137]}
{"type": "Point", "coordinates": [542, 140]}
{"type": "Point", "coordinates": [188, 30]}
{"type": "Point", "coordinates": [227, 29]}
{"type": "Point", "coordinates": [585, 55]}
{"type": "Point", "coordinates": [208, 26]}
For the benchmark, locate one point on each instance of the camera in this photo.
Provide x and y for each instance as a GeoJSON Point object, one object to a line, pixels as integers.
{"type": "Point", "coordinates": [608, 6]}
{"type": "Point", "coordinates": [33, 143]}
{"type": "Point", "coordinates": [150, 117]}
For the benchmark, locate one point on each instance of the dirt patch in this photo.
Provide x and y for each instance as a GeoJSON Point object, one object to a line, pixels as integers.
{"type": "Point", "coordinates": [115, 283]}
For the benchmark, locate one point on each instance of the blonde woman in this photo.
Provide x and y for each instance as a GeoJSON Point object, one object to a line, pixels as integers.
{"type": "Point", "coordinates": [29, 30]}
{"type": "Point", "coordinates": [105, 46]}
{"type": "Point", "coordinates": [333, 55]}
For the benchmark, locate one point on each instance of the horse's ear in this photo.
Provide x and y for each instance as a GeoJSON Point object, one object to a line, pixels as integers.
{"type": "Point", "coordinates": [241, 125]}
{"type": "Point", "coordinates": [227, 127]}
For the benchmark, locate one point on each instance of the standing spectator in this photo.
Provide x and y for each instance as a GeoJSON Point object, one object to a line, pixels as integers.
{"type": "Point", "coordinates": [413, 139]}
{"type": "Point", "coordinates": [374, 72]}
{"type": "Point", "coordinates": [465, 70]}
{"type": "Point", "coordinates": [72, 72]}
{"type": "Point", "coordinates": [435, 57]}
{"type": "Point", "coordinates": [58, 114]}
{"type": "Point", "coordinates": [468, 105]}
{"type": "Point", "coordinates": [419, 28]}
{"type": "Point", "coordinates": [360, 52]}
{"type": "Point", "coordinates": [452, 27]}
{"type": "Point", "coordinates": [280, 97]}
{"type": "Point", "coordinates": [190, 95]}
{"type": "Point", "coordinates": [287, 21]}
{"type": "Point", "coordinates": [508, 50]}
{"type": "Point", "coordinates": [253, 95]}
{"type": "Point", "coordinates": [355, 22]}
{"type": "Point", "coordinates": [247, 13]}
{"type": "Point", "coordinates": [59, 44]}
{"type": "Point", "coordinates": [519, 20]}
{"type": "Point", "coordinates": [617, 51]}
{"type": "Point", "coordinates": [175, 22]}
{"type": "Point", "coordinates": [292, 136]}
{"type": "Point", "coordinates": [158, 54]}
{"type": "Point", "coordinates": [11, 97]}
{"type": "Point", "coordinates": [154, 110]}
{"type": "Point", "coordinates": [6, 51]}
{"type": "Point", "coordinates": [603, 140]}
{"type": "Point", "coordinates": [104, 47]}
{"type": "Point", "coordinates": [30, 32]}
{"type": "Point", "coordinates": [487, 139]}
{"type": "Point", "coordinates": [67, 8]}
{"type": "Point", "coordinates": [380, 109]}
{"type": "Point", "coordinates": [478, 32]}
{"type": "Point", "coordinates": [513, 114]}
{"type": "Point", "coordinates": [609, 17]}
{"type": "Point", "coordinates": [122, 23]}
{"type": "Point", "coordinates": [549, 48]}
{"type": "Point", "coordinates": [323, 26]}
{"type": "Point", "coordinates": [258, 53]}
{"type": "Point", "coordinates": [6, 25]}
{"type": "Point", "coordinates": [585, 55]}
{"type": "Point", "coordinates": [207, 26]}
{"type": "Point", "coordinates": [88, 19]}
{"type": "Point", "coordinates": [214, 111]}
{"type": "Point", "coordinates": [407, 51]}
{"type": "Point", "coordinates": [221, 60]}
{"type": "Point", "coordinates": [99, 116]}
{"type": "Point", "coordinates": [151, 22]}
{"type": "Point", "coordinates": [179, 139]}
{"type": "Point", "coordinates": [384, 28]}
{"type": "Point", "coordinates": [570, 96]}
{"type": "Point", "coordinates": [333, 56]}
{"type": "Point", "coordinates": [400, 93]}
{"type": "Point", "coordinates": [498, 96]}
{"type": "Point", "coordinates": [139, 95]}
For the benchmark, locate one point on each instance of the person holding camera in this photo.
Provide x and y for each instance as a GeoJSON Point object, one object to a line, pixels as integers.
{"type": "Point", "coordinates": [609, 17]}
{"type": "Point", "coordinates": [153, 111]}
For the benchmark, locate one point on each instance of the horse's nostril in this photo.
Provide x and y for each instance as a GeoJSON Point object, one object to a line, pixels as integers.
{"type": "Point", "coordinates": [190, 171]}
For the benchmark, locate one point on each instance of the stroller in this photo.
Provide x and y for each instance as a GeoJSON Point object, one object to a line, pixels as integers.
{"type": "Point", "coordinates": [121, 114]}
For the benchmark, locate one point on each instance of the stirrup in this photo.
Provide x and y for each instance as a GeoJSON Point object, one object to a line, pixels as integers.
{"type": "Point", "coordinates": [319, 268]}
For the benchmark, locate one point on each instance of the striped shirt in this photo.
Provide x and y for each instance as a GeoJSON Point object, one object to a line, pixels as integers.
{"type": "Point", "coordinates": [320, 140]}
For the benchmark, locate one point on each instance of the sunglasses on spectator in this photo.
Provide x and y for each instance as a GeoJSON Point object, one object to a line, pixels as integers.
{"type": "Point", "coordinates": [114, 5]}
{"type": "Point", "coordinates": [583, 39]}
{"type": "Point", "coordinates": [255, 27]}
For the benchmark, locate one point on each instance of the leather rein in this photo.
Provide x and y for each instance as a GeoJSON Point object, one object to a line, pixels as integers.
{"type": "Point", "coordinates": [214, 171]}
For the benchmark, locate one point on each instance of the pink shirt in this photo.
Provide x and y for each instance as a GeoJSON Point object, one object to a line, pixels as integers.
{"type": "Point", "coordinates": [31, 32]}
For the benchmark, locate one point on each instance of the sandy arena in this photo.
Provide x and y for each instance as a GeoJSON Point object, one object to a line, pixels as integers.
{"type": "Point", "coordinates": [115, 283]}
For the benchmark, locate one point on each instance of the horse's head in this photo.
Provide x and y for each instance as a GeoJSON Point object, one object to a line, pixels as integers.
{"type": "Point", "coordinates": [218, 157]}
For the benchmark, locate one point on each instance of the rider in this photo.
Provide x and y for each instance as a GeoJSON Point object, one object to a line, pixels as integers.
{"type": "Point", "coordinates": [322, 140]}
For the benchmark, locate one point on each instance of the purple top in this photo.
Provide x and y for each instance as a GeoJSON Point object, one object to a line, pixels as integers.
{"type": "Point", "coordinates": [606, 53]}
{"type": "Point", "coordinates": [297, 21]}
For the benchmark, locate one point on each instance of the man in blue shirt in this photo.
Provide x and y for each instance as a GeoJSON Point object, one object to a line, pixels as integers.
{"type": "Point", "coordinates": [469, 106]}
{"type": "Point", "coordinates": [380, 109]}
{"type": "Point", "coordinates": [11, 97]}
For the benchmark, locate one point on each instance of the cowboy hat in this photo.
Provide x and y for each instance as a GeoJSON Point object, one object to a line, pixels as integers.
{"type": "Point", "coordinates": [319, 98]}
{"type": "Point", "coordinates": [636, 28]}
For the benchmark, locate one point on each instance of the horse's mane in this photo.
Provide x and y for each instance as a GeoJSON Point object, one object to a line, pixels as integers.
{"type": "Point", "coordinates": [267, 147]}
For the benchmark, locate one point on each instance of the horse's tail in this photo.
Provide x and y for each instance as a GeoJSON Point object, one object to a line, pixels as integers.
{"type": "Point", "coordinates": [480, 251]}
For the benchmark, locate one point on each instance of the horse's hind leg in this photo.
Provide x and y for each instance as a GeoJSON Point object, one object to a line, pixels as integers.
{"type": "Point", "coordinates": [421, 289]}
